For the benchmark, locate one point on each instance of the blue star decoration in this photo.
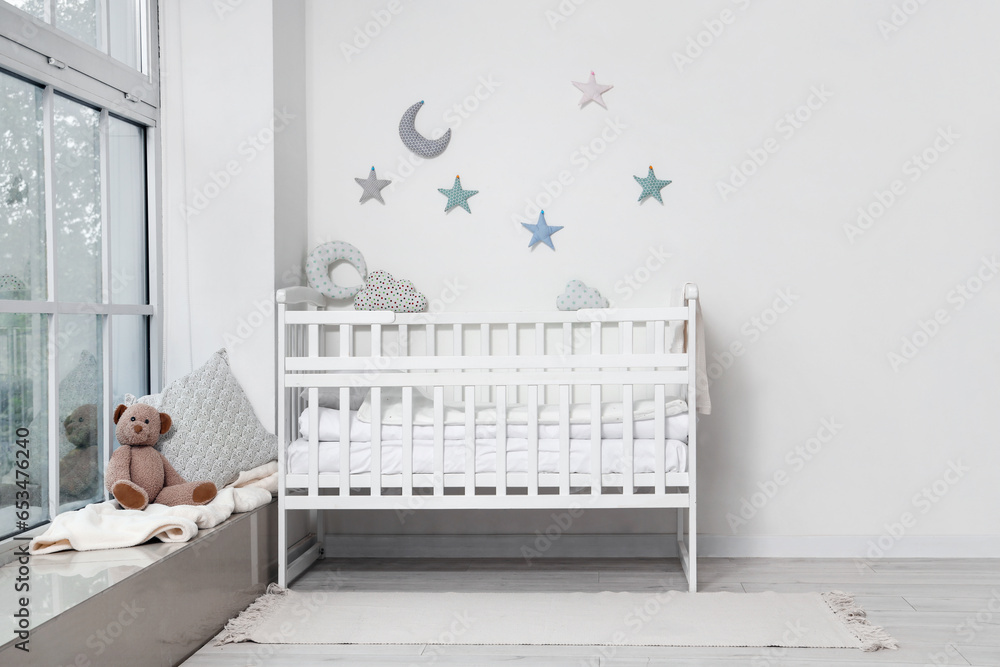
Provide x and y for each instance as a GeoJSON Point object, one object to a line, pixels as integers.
{"type": "Point", "coordinates": [541, 231]}
{"type": "Point", "coordinates": [457, 196]}
{"type": "Point", "coordinates": [651, 186]}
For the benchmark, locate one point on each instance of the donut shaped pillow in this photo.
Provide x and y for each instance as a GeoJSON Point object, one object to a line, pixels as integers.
{"type": "Point", "coordinates": [323, 257]}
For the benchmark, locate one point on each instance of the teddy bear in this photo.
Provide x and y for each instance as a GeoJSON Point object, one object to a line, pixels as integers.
{"type": "Point", "coordinates": [138, 474]}
{"type": "Point", "coordinates": [78, 468]}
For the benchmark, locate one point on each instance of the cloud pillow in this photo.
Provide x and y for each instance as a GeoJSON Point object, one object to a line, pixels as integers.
{"type": "Point", "coordinates": [383, 292]}
{"type": "Point", "coordinates": [577, 295]}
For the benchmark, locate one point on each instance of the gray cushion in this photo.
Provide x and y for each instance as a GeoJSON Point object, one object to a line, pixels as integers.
{"type": "Point", "coordinates": [215, 434]}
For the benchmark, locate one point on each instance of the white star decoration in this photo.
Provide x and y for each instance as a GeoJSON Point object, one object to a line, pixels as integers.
{"type": "Point", "coordinates": [592, 91]}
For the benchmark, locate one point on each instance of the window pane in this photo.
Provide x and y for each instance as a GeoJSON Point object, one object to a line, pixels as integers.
{"type": "Point", "coordinates": [34, 7]}
{"type": "Point", "coordinates": [77, 195]}
{"type": "Point", "coordinates": [79, 18]}
{"type": "Point", "coordinates": [23, 421]}
{"type": "Point", "coordinates": [23, 266]}
{"type": "Point", "coordinates": [81, 407]}
{"type": "Point", "coordinates": [126, 33]}
{"type": "Point", "coordinates": [127, 212]}
{"type": "Point", "coordinates": [130, 356]}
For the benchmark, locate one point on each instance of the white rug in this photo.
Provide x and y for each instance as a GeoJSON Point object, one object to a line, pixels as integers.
{"type": "Point", "coordinates": [668, 618]}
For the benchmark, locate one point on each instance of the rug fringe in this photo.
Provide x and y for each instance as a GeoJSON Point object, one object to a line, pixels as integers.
{"type": "Point", "coordinates": [240, 628]}
{"type": "Point", "coordinates": [872, 637]}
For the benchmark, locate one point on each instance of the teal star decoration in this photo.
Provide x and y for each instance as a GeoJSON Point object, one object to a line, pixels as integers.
{"type": "Point", "coordinates": [457, 196]}
{"type": "Point", "coordinates": [541, 231]}
{"type": "Point", "coordinates": [651, 186]}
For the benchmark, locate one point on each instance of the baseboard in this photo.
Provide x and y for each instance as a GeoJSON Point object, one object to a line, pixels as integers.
{"type": "Point", "coordinates": [659, 546]}
{"type": "Point", "coordinates": [869, 547]}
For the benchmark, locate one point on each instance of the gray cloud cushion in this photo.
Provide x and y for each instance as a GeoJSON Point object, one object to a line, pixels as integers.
{"type": "Point", "coordinates": [215, 434]}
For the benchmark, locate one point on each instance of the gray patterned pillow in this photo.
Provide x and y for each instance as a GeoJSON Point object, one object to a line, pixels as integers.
{"type": "Point", "coordinates": [215, 434]}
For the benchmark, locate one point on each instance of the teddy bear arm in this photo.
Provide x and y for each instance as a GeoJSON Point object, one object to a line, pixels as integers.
{"type": "Point", "coordinates": [119, 467]}
{"type": "Point", "coordinates": [170, 476]}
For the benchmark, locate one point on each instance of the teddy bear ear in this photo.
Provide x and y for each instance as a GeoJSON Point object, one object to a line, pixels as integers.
{"type": "Point", "coordinates": [118, 412]}
{"type": "Point", "coordinates": [165, 422]}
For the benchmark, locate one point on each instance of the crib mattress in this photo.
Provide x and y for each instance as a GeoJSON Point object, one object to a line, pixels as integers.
{"type": "Point", "coordinates": [612, 459]}
{"type": "Point", "coordinates": [675, 428]}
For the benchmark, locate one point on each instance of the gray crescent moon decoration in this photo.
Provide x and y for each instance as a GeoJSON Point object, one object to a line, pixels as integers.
{"type": "Point", "coordinates": [415, 141]}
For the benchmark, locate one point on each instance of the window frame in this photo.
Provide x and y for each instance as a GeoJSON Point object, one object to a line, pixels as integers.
{"type": "Point", "coordinates": [62, 65]}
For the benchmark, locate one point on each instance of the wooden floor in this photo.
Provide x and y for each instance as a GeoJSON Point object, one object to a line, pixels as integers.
{"type": "Point", "coordinates": [942, 612]}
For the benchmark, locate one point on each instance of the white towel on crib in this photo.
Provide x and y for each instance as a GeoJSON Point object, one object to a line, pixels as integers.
{"type": "Point", "coordinates": [703, 402]}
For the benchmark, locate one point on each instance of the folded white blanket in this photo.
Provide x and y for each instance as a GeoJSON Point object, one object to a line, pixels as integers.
{"type": "Point", "coordinates": [676, 428]}
{"type": "Point", "coordinates": [612, 455]}
{"type": "Point", "coordinates": [579, 413]}
{"type": "Point", "coordinates": [107, 526]}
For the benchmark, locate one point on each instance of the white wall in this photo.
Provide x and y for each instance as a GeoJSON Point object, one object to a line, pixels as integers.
{"type": "Point", "coordinates": [219, 201]}
{"type": "Point", "coordinates": [783, 231]}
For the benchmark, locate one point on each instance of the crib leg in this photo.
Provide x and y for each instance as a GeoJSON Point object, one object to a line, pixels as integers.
{"type": "Point", "coordinates": [282, 544]}
{"type": "Point", "coordinates": [688, 550]}
{"type": "Point", "coordinates": [692, 549]}
{"type": "Point", "coordinates": [320, 534]}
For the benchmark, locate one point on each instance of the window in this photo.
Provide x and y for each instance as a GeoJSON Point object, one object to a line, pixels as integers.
{"type": "Point", "coordinates": [114, 27]}
{"type": "Point", "coordinates": [77, 244]}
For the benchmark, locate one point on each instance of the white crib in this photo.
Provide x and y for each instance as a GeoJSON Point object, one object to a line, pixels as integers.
{"type": "Point", "coordinates": [544, 377]}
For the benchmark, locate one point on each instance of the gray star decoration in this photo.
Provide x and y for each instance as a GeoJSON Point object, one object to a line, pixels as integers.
{"type": "Point", "coordinates": [372, 187]}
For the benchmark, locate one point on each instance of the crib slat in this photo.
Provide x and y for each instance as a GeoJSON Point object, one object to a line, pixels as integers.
{"type": "Point", "coordinates": [628, 443]}
{"type": "Point", "coordinates": [512, 352]}
{"type": "Point", "coordinates": [564, 390]}
{"type": "Point", "coordinates": [501, 462]}
{"type": "Point", "coordinates": [313, 441]}
{"type": "Point", "coordinates": [438, 441]}
{"type": "Point", "coordinates": [567, 346]}
{"type": "Point", "coordinates": [403, 340]}
{"type": "Point", "coordinates": [659, 336]}
{"type": "Point", "coordinates": [659, 444]}
{"type": "Point", "coordinates": [346, 336]}
{"type": "Point", "coordinates": [407, 441]}
{"type": "Point", "coordinates": [595, 440]}
{"type": "Point", "coordinates": [540, 351]}
{"type": "Point", "coordinates": [456, 349]}
{"type": "Point", "coordinates": [484, 350]}
{"type": "Point", "coordinates": [532, 440]}
{"type": "Point", "coordinates": [596, 455]}
{"type": "Point", "coordinates": [313, 340]}
{"type": "Point", "coordinates": [376, 340]}
{"type": "Point", "coordinates": [345, 444]}
{"type": "Point", "coordinates": [431, 342]}
{"type": "Point", "coordinates": [376, 471]}
{"type": "Point", "coordinates": [470, 441]}
{"type": "Point", "coordinates": [628, 438]}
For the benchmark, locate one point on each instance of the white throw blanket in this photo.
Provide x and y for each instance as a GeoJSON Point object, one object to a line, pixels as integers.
{"type": "Point", "coordinates": [107, 526]}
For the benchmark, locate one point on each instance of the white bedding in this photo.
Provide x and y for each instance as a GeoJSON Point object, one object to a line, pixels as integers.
{"type": "Point", "coordinates": [676, 428]}
{"type": "Point", "coordinates": [579, 413]}
{"type": "Point", "coordinates": [675, 456]}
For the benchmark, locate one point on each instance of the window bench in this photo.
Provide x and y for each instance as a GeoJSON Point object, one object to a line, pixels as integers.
{"type": "Point", "coordinates": [154, 604]}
